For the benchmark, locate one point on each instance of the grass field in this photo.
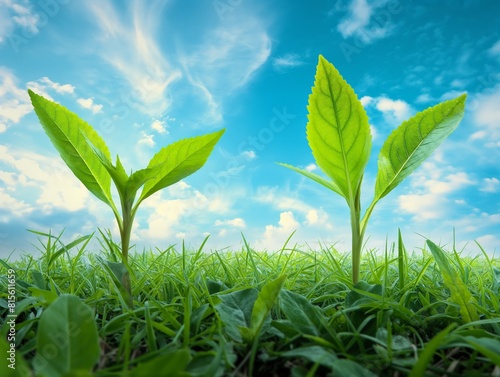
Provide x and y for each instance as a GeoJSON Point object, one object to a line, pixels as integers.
{"type": "Point", "coordinates": [291, 312]}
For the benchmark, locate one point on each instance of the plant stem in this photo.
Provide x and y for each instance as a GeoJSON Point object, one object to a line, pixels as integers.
{"type": "Point", "coordinates": [357, 232]}
{"type": "Point", "coordinates": [357, 242]}
{"type": "Point", "coordinates": [125, 232]}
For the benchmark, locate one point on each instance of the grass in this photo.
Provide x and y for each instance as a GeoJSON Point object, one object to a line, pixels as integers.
{"type": "Point", "coordinates": [189, 307]}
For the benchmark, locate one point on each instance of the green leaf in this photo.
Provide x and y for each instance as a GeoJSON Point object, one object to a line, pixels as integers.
{"type": "Point", "coordinates": [305, 317]}
{"type": "Point", "coordinates": [460, 294]}
{"type": "Point", "coordinates": [415, 140]}
{"type": "Point", "coordinates": [338, 130]}
{"type": "Point", "coordinates": [322, 181]}
{"type": "Point", "coordinates": [67, 340]}
{"type": "Point", "coordinates": [171, 364]}
{"type": "Point", "coordinates": [117, 173]}
{"type": "Point", "coordinates": [265, 301]}
{"type": "Point", "coordinates": [235, 311]}
{"type": "Point", "coordinates": [179, 160]}
{"type": "Point", "coordinates": [315, 354]}
{"type": "Point", "coordinates": [71, 136]}
{"type": "Point", "coordinates": [349, 368]}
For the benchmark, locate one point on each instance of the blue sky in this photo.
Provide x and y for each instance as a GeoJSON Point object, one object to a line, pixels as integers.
{"type": "Point", "coordinates": [145, 74]}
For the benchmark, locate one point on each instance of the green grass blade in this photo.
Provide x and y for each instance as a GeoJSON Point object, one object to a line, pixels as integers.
{"type": "Point", "coordinates": [401, 260]}
{"type": "Point", "coordinates": [420, 367]}
{"type": "Point", "coordinates": [71, 136]}
{"type": "Point", "coordinates": [460, 294]}
{"type": "Point", "coordinates": [415, 140]}
{"type": "Point", "coordinates": [338, 131]}
{"type": "Point", "coordinates": [179, 160]}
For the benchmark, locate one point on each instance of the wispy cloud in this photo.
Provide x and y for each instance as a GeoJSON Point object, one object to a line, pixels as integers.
{"type": "Point", "coordinates": [128, 43]}
{"type": "Point", "coordinates": [17, 14]}
{"type": "Point", "coordinates": [359, 21]}
{"type": "Point", "coordinates": [487, 117]}
{"type": "Point", "coordinates": [159, 126]}
{"type": "Point", "coordinates": [495, 49]}
{"type": "Point", "coordinates": [226, 60]}
{"type": "Point", "coordinates": [285, 62]}
{"type": "Point", "coordinates": [490, 185]}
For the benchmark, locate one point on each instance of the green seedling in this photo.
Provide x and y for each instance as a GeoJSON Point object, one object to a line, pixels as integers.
{"type": "Point", "coordinates": [88, 157]}
{"type": "Point", "coordinates": [339, 136]}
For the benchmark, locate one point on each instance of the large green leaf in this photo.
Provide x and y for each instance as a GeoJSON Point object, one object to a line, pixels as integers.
{"type": "Point", "coordinates": [338, 130]}
{"type": "Point", "coordinates": [72, 137]}
{"type": "Point", "coordinates": [179, 160]}
{"type": "Point", "coordinates": [67, 340]}
{"type": "Point", "coordinates": [415, 140]}
{"type": "Point", "coordinates": [460, 293]}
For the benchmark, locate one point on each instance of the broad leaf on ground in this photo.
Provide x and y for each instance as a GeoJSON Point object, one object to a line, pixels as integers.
{"type": "Point", "coordinates": [67, 341]}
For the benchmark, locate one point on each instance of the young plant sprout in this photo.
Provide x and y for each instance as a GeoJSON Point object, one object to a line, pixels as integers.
{"type": "Point", "coordinates": [88, 157]}
{"type": "Point", "coordinates": [339, 136]}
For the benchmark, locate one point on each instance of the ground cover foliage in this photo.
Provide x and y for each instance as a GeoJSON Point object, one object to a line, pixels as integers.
{"type": "Point", "coordinates": [290, 312]}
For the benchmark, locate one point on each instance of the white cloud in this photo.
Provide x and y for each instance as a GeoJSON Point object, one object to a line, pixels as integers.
{"type": "Point", "coordinates": [366, 100]}
{"type": "Point", "coordinates": [14, 101]}
{"type": "Point", "coordinates": [360, 21]}
{"type": "Point", "coordinates": [237, 222]}
{"type": "Point", "coordinates": [249, 155]}
{"type": "Point", "coordinates": [450, 183]}
{"type": "Point", "coordinates": [88, 103]}
{"type": "Point", "coordinates": [128, 44]}
{"type": "Point", "coordinates": [312, 167]}
{"type": "Point", "coordinates": [280, 201]}
{"type": "Point", "coordinates": [15, 207]}
{"type": "Point", "coordinates": [433, 188]}
{"type": "Point", "coordinates": [58, 188]}
{"type": "Point", "coordinates": [422, 206]}
{"type": "Point", "coordinates": [495, 49]}
{"type": "Point", "coordinates": [17, 13]}
{"type": "Point", "coordinates": [185, 209]}
{"type": "Point", "coordinates": [146, 139]}
{"type": "Point", "coordinates": [487, 116]}
{"type": "Point", "coordinates": [398, 109]}
{"type": "Point", "coordinates": [490, 185]}
{"type": "Point", "coordinates": [44, 85]}
{"type": "Point", "coordinates": [159, 126]}
{"type": "Point", "coordinates": [424, 98]}
{"type": "Point", "coordinates": [285, 62]}
{"type": "Point", "coordinates": [275, 236]}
